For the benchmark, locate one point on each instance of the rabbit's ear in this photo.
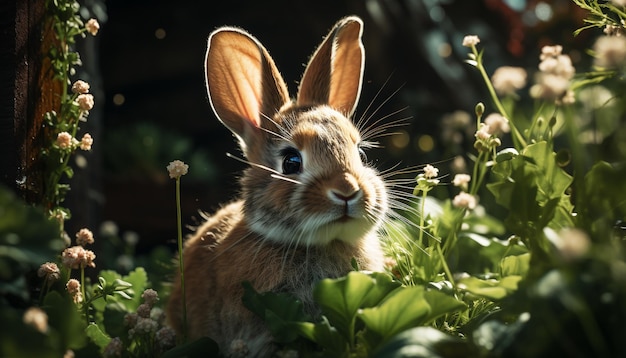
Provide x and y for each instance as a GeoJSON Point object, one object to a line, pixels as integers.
{"type": "Point", "coordinates": [243, 82]}
{"type": "Point", "coordinates": [335, 72]}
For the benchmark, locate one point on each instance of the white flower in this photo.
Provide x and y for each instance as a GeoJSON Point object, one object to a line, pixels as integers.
{"type": "Point", "coordinates": [471, 40]}
{"type": "Point", "coordinates": [549, 87]}
{"type": "Point", "coordinates": [85, 101]}
{"type": "Point", "coordinates": [430, 171]}
{"type": "Point", "coordinates": [550, 51]}
{"type": "Point", "coordinates": [461, 180]}
{"type": "Point", "coordinates": [506, 79]}
{"type": "Point", "coordinates": [464, 200]}
{"type": "Point", "coordinates": [80, 87]}
{"type": "Point", "coordinates": [36, 318]}
{"type": "Point", "coordinates": [73, 288]}
{"type": "Point", "coordinates": [619, 2]}
{"type": "Point", "coordinates": [610, 52]}
{"type": "Point", "coordinates": [92, 26]}
{"type": "Point", "coordinates": [64, 140]}
{"type": "Point", "coordinates": [177, 169]}
{"type": "Point", "coordinates": [483, 132]}
{"type": "Point", "coordinates": [84, 237]}
{"type": "Point", "coordinates": [50, 271]}
{"type": "Point", "coordinates": [86, 142]}
{"type": "Point", "coordinates": [497, 124]}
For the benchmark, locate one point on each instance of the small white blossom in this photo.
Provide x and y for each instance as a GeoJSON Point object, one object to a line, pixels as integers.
{"type": "Point", "coordinates": [471, 40]}
{"type": "Point", "coordinates": [50, 271]}
{"type": "Point", "coordinates": [64, 140]}
{"type": "Point", "coordinates": [85, 101]}
{"type": "Point", "coordinates": [166, 337]}
{"type": "Point", "coordinates": [80, 87]}
{"type": "Point", "coordinates": [506, 79]}
{"type": "Point", "coordinates": [464, 200]}
{"type": "Point", "coordinates": [177, 169]}
{"type": "Point", "coordinates": [461, 180]}
{"type": "Point", "coordinates": [619, 2]}
{"type": "Point", "coordinates": [84, 237]}
{"type": "Point", "coordinates": [92, 26]}
{"type": "Point", "coordinates": [483, 132]}
{"type": "Point", "coordinates": [73, 288]}
{"type": "Point", "coordinates": [610, 52]}
{"type": "Point", "coordinates": [497, 124]}
{"type": "Point", "coordinates": [36, 318]}
{"type": "Point", "coordinates": [86, 142]}
{"type": "Point", "coordinates": [430, 172]}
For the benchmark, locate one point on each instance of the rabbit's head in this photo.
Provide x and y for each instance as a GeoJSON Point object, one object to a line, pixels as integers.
{"type": "Point", "coordinates": [308, 181]}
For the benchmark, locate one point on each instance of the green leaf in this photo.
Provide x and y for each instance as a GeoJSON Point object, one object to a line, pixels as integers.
{"type": "Point", "coordinates": [441, 304]}
{"type": "Point", "coordinates": [96, 335]}
{"type": "Point", "coordinates": [406, 307]}
{"type": "Point", "coordinates": [341, 298]}
{"type": "Point", "coordinates": [491, 289]}
{"type": "Point", "coordinates": [64, 317]}
{"type": "Point", "coordinates": [515, 265]}
{"type": "Point", "coordinates": [425, 342]}
{"type": "Point", "coordinates": [325, 335]}
{"type": "Point", "coordinates": [278, 310]}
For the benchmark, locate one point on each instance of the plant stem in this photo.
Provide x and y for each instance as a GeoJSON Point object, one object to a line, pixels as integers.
{"type": "Point", "coordinates": [180, 257]}
{"type": "Point", "coordinates": [517, 136]}
{"type": "Point", "coordinates": [445, 265]}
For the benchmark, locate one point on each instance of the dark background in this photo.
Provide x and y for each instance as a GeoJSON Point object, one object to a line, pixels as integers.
{"type": "Point", "coordinates": [146, 67]}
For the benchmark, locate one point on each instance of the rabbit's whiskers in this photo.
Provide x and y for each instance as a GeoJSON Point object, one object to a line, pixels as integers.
{"type": "Point", "coordinates": [275, 174]}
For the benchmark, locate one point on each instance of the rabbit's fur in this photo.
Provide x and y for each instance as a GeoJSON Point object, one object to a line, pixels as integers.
{"type": "Point", "coordinates": [309, 202]}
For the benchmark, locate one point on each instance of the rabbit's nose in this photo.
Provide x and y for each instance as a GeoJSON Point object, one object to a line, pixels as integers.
{"type": "Point", "coordinates": [345, 189]}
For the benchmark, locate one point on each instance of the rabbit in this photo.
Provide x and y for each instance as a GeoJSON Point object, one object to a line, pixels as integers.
{"type": "Point", "coordinates": [309, 204]}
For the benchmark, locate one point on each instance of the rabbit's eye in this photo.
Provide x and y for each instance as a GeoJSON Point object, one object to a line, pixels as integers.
{"type": "Point", "coordinates": [292, 161]}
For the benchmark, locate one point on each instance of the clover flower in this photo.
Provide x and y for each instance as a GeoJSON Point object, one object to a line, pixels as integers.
{"type": "Point", "coordinates": [471, 40]}
{"type": "Point", "coordinates": [496, 124]}
{"type": "Point", "coordinates": [464, 200]}
{"type": "Point", "coordinates": [85, 101]}
{"type": "Point", "coordinates": [86, 142]}
{"type": "Point", "coordinates": [507, 79]}
{"type": "Point", "coordinates": [610, 52]}
{"type": "Point", "coordinates": [50, 271]}
{"type": "Point", "coordinates": [73, 288]}
{"type": "Point", "coordinates": [553, 80]}
{"type": "Point", "coordinates": [84, 237]}
{"type": "Point", "coordinates": [80, 87]}
{"type": "Point", "coordinates": [77, 257]}
{"type": "Point", "coordinates": [92, 26]}
{"type": "Point", "coordinates": [612, 30]}
{"type": "Point", "coordinates": [461, 181]}
{"type": "Point", "coordinates": [430, 171]}
{"type": "Point", "coordinates": [177, 168]}
{"type": "Point", "coordinates": [64, 140]}
{"type": "Point", "coordinates": [36, 318]}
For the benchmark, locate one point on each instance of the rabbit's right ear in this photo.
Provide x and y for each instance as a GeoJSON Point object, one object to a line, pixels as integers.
{"type": "Point", "coordinates": [243, 83]}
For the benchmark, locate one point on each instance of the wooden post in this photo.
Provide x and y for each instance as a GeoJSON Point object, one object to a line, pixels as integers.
{"type": "Point", "coordinates": [29, 90]}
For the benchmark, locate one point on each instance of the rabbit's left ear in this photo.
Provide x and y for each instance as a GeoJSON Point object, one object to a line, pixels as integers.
{"type": "Point", "coordinates": [335, 72]}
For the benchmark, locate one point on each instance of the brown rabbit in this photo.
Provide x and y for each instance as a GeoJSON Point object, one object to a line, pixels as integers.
{"type": "Point", "coordinates": [309, 202]}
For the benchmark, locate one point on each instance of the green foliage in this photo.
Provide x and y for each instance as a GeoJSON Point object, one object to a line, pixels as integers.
{"type": "Point", "coordinates": [360, 312]}
{"type": "Point", "coordinates": [27, 239]}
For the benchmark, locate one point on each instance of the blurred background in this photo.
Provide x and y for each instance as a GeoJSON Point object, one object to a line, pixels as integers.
{"type": "Point", "coordinates": [146, 71]}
